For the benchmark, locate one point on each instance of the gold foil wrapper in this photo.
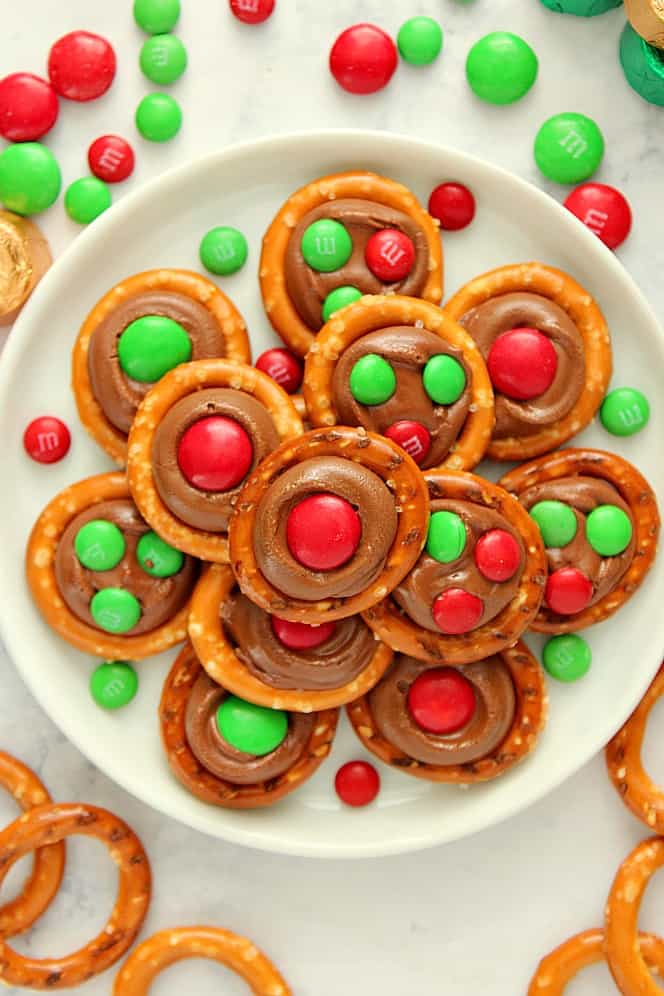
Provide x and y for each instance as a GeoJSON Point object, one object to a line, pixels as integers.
{"type": "Point", "coordinates": [25, 257]}
{"type": "Point", "coordinates": [647, 19]}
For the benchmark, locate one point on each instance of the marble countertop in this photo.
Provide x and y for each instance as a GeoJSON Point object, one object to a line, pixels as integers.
{"type": "Point", "coordinates": [476, 915]}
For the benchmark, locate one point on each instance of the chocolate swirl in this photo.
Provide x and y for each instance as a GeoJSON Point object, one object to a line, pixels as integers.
{"type": "Point", "coordinates": [220, 758]}
{"type": "Point", "coordinates": [160, 598]}
{"type": "Point", "coordinates": [209, 510]}
{"type": "Point", "coordinates": [118, 395]}
{"type": "Point", "coordinates": [523, 310]}
{"type": "Point", "coordinates": [493, 716]}
{"type": "Point", "coordinates": [583, 494]}
{"type": "Point", "coordinates": [429, 578]}
{"type": "Point", "coordinates": [308, 289]}
{"type": "Point", "coordinates": [371, 499]}
{"type": "Point", "coordinates": [408, 350]}
{"type": "Point", "coordinates": [331, 664]}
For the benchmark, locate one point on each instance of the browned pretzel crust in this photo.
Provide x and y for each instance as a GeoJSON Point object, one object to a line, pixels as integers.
{"type": "Point", "coordinates": [170, 946]}
{"type": "Point", "coordinates": [536, 278]}
{"type": "Point", "coordinates": [638, 494]}
{"type": "Point", "coordinates": [372, 313]}
{"type": "Point", "coordinates": [561, 965]}
{"type": "Point", "coordinates": [184, 282]}
{"type": "Point", "coordinates": [177, 384]}
{"type": "Point", "coordinates": [399, 632]}
{"type": "Point", "coordinates": [377, 454]}
{"type": "Point", "coordinates": [40, 889]}
{"type": "Point", "coordinates": [529, 719]}
{"type": "Point", "coordinates": [366, 186]}
{"type": "Point", "coordinates": [40, 569]}
{"type": "Point", "coordinates": [48, 824]}
{"type": "Point", "coordinates": [202, 783]}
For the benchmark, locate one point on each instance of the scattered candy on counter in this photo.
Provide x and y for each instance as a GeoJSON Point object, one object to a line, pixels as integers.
{"type": "Point", "coordinates": [420, 40]}
{"type": "Point", "coordinates": [156, 17]}
{"type": "Point", "coordinates": [357, 783]}
{"type": "Point", "coordinates": [501, 68]}
{"type": "Point", "coordinates": [569, 148]}
{"type": "Point", "coordinates": [363, 59]}
{"type": "Point", "coordinates": [81, 66]}
{"type": "Point", "coordinates": [86, 199]}
{"type": "Point", "coordinates": [581, 8]}
{"type": "Point", "coordinates": [252, 11]}
{"type": "Point", "coordinates": [28, 107]}
{"type": "Point", "coordinates": [602, 209]}
{"type": "Point", "coordinates": [158, 117]}
{"type": "Point", "coordinates": [283, 366]}
{"type": "Point", "coordinates": [625, 411]}
{"type": "Point", "coordinates": [47, 439]}
{"type": "Point", "coordinates": [642, 65]}
{"type": "Point", "coordinates": [111, 158]}
{"type": "Point", "coordinates": [163, 59]}
{"type": "Point", "coordinates": [30, 178]}
{"type": "Point", "coordinates": [223, 250]}
{"type": "Point", "coordinates": [113, 684]}
{"type": "Point", "coordinates": [567, 657]}
{"type": "Point", "coordinates": [453, 205]}
{"type": "Point", "coordinates": [25, 256]}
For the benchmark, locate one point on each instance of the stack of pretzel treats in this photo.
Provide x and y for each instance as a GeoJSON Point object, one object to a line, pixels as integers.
{"type": "Point", "coordinates": [350, 556]}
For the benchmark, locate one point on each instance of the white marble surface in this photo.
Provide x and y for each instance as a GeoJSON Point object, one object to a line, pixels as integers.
{"type": "Point", "coordinates": [474, 916]}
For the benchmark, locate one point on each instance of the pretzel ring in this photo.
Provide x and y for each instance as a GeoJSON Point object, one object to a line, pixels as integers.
{"type": "Point", "coordinates": [529, 719]}
{"type": "Point", "coordinates": [635, 491]}
{"type": "Point", "coordinates": [563, 290]}
{"type": "Point", "coordinates": [201, 782]}
{"type": "Point", "coordinates": [167, 947]}
{"type": "Point", "coordinates": [177, 384]}
{"type": "Point", "coordinates": [626, 962]}
{"type": "Point", "coordinates": [377, 454]}
{"type": "Point", "coordinates": [192, 285]}
{"type": "Point", "coordinates": [40, 568]}
{"type": "Point", "coordinates": [50, 824]}
{"type": "Point", "coordinates": [561, 965]}
{"type": "Point", "coordinates": [365, 186]}
{"type": "Point", "coordinates": [396, 629]}
{"type": "Point", "coordinates": [370, 314]}
{"type": "Point", "coordinates": [44, 882]}
{"type": "Point", "coordinates": [225, 667]}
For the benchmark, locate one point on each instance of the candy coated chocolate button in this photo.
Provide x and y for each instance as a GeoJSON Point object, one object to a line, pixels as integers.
{"type": "Point", "coordinates": [441, 700]}
{"type": "Point", "coordinates": [357, 783]}
{"type": "Point", "coordinates": [446, 537]}
{"type": "Point", "coordinates": [113, 684]}
{"type": "Point", "coordinates": [566, 657]}
{"type": "Point", "coordinates": [115, 610]}
{"type": "Point", "coordinates": [363, 59]}
{"type": "Point", "coordinates": [28, 107]}
{"type": "Point", "coordinates": [323, 531]}
{"type": "Point", "coordinates": [390, 255]}
{"type": "Point", "coordinates": [568, 591]}
{"type": "Point", "coordinates": [81, 66]}
{"type": "Point", "coordinates": [283, 366]}
{"type": "Point", "coordinates": [457, 611]}
{"type": "Point", "coordinates": [151, 346]}
{"type": "Point", "coordinates": [453, 205]}
{"type": "Point", "coordinates": [522, 363]}
{"type": "Point", "coordinates": [156, 557]}
{"type": "Point", "coordinates": [301, 636]}
{"type": "Point", "coordinates": [603, 210]}
{"type": "Point", "coordinates": [569, 148]}
{"type": "Point", "coordinates": [47, 439]}
{"type": "Point", "coordinates": [86, 199]}
{"type": "Point", "coordinates": [111, 158]}
{"type": "Point", "coordinates": [556, 521]}
{"type": "Point", "coordinates": [252, 11]}
{"type": "Point", "coordinates": [497, 555]}
{"type": "Point", "coordinates": [444, 379]}
{"type": "Point", "coordinates": [339, 298]}
{"type": "Point", "coordinates": [163, 59]}
{"type": "Point", "coordinates": [158, 117]}
{"type": "Point", "coordinates": [30, 178]}
{"type": "Point", "coordinates": [156, 16]}
{"type": "Point", "coordinates": [608, 530]}
{"type": "Point", "coordinates": [624, 411]}
{"type": "Point", "coordinates": [372, 380]}
{"type": "Point", "coordinates": [215, 453]}
{"type": "Point", "coordinates": [420, 40]}
{"type": "Point", "coordinates": [99, 545]}
{"type": "Point", "coordinates": [250, 728]}
{"type": "Point", "coordinates": [223, 250]}
{"type": "Point", "coordinates": [501, 67]}
{"type": "Point", "coordinates": [412, 437]}
{"type": "Point", "coordinates": [326, 245]}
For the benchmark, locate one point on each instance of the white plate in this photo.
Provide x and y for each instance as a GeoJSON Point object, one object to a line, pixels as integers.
{"type": "Point", "coordinates": [161, 225]}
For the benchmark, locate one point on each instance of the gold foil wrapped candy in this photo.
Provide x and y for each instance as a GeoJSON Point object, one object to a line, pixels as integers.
{"type": "Point", "coordinates": [25, 257]}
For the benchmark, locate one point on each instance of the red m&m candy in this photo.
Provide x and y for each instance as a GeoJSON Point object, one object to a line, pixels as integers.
{"type": "Point", "coordinates": [323, 531]}
{"type": "Point", "coordinates": [363, 59]}
{"type": "Point", "coordinates": [357, 783]}
{"type": "Point", "coordinates": [28, 107]}
{"type": "Point", "coordinates": [453, 205]}
{"type": "Point", "coordinates": [301, 636]}
{"type": "Point", "coordinates": [602, 209]}
{"type": "Point", "coordinates": [412, 437]}
{"type": "Point", "coordinates": [441, 700]}
{"type": "Point", "coordinates": [522, 363]}
{"type": "Point", "coordinates": [46, 439]}
{"type": "Point", "coordinates": [390, 255]}
{"type": "Point", "coordinates": [457, 611]}
{"type": "Point", "coordinates": [215, 453]}
{"type": "Point", "coordinates": [283, 366]}
{"type": "Point", "coordinates": [111, 158]}
{"type": "Point", "coordinates": [568, 591]}
{"type": "Point", "coordinates": [252, 11]}
{"type": "Point", "coordinates": [81, 66]}
{"type": "Point", "coordinates": [497, 555]}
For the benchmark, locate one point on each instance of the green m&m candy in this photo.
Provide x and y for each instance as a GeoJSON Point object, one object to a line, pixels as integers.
{"type": "Point", "coordinates": [569, 148]}
{"type": "Point", "coordinates": [339, 298]}
{"type": "Point", "coordinates": [156, 16]}
{"type": "Point", "coordinates": [624, 411]}
{"type": "Point", "coordinates": [609, 530]}
{"type": "Point", "coordinates": [567, 657]}
{"type": "Point", "coordinates": [99, 545]}
{"type": "Point", "coordinates": [326, 245]}
{"type": "Point", "coordinates": [581, 8]}
{"type": "Point", "coordinates": [501, 67]}
{"type": "Point", "coordinates": [420, 40]}
{"type": "Point", "coordinates": [444, 379]}
{"type": "Point", "coordinates": [113, 684]}
{"type": "Point", "coordinates": [115, 610]}
{"type": "Point", "coordinates": [86, 199]}
{"type": "Point", "coordinates": [556, 521]}
{"type": "Point", "coordinates": [372, 380]}
{"type": "Point", "coordinates": [158, 117]}
{"type": "Point", "coordinates": [151, 346]}
{"type": "Point", "coordinates": [223, 250]}
{"type": "Point", "coordinates": [251, 728]}
{"type": "Point", "coordinates": [30, 178]}
{"type": "Point", "coordinates": [163, 59]}
{"type": "Point", "coordinates": [156, 557]}
{"type": "Point", "coordinates": [446, 538]}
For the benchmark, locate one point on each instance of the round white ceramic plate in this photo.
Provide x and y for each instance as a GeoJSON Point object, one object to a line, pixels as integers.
{"type": "Point", "coordinates": [161, 225]}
